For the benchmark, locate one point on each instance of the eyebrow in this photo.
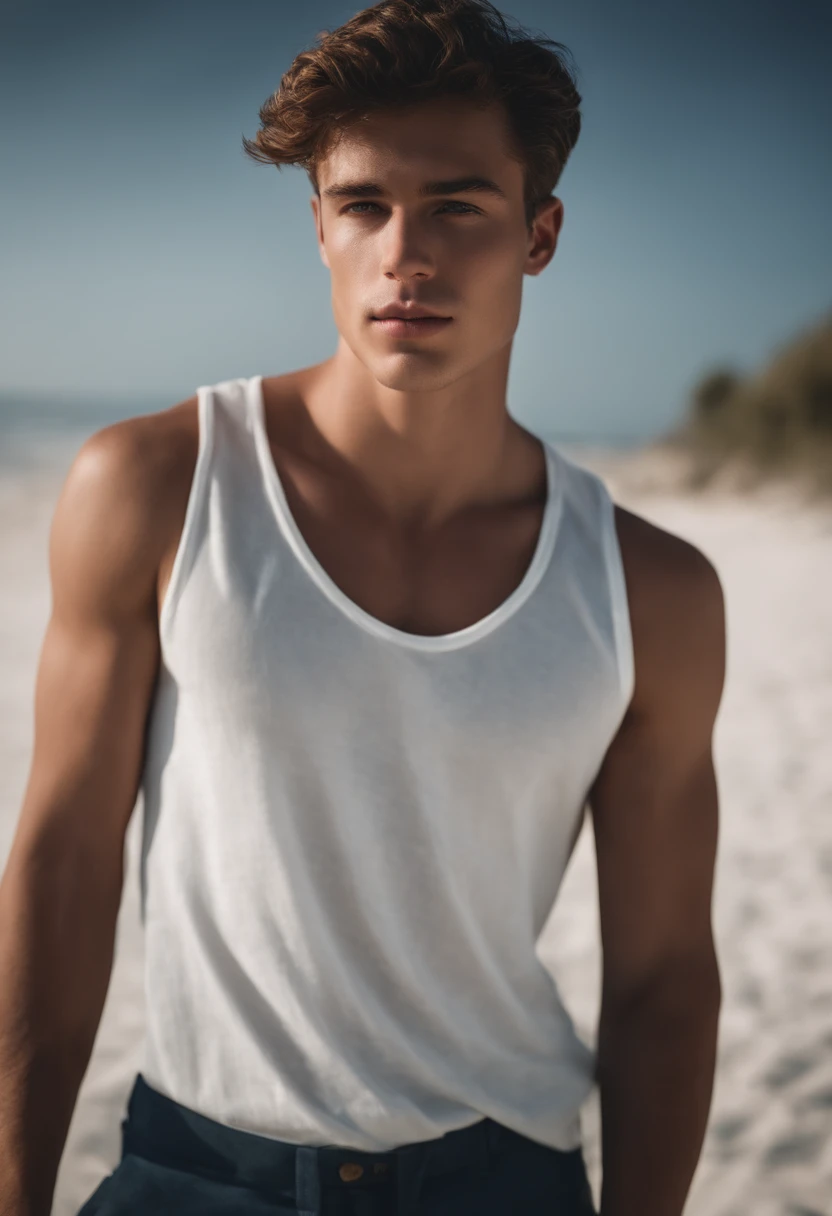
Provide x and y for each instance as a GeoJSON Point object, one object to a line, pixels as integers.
{"type": "Point", "coordinates": [458, 185]}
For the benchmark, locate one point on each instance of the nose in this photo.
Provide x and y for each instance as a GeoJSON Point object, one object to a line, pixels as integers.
{"type": "Point", "coordinates": [405, 252]}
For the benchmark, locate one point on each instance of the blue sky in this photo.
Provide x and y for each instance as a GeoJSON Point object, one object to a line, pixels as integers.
{"type": "Point", "coordinates": [143, 254]}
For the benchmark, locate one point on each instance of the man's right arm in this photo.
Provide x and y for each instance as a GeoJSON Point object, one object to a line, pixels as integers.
{"type": "Point", "coordinates": [61, 887]}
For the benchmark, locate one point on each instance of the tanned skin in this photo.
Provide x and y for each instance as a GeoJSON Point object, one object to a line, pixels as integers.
{"type": "Point", "coordinates": [423, 500]}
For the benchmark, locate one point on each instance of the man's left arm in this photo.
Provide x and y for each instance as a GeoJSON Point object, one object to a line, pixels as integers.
{"type": "Point", "coordinates": [654, 809]}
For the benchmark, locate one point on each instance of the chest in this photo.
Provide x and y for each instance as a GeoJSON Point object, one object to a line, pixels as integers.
{"type": "Point", "coordinates": [422, 581]}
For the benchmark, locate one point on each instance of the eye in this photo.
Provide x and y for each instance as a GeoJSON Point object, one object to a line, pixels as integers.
{"type": "Point", "coordinates": [467, 210]}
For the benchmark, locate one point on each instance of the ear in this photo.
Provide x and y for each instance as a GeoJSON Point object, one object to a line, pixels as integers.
{"type": "Point", "coordinates": [315, 203]}
{"type": "Point", "coordinates": [543, 238]}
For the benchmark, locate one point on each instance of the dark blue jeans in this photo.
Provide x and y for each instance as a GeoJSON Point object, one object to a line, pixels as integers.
{"type": "Point", "coordinates": [176, 1162]}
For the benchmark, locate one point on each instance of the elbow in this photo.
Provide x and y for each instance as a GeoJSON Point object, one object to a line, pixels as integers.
{"type": "Point", "coordinates": [682, 991]}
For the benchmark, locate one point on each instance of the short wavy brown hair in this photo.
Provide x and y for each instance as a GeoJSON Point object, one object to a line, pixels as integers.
{"type": "Point", "coordinates": [400, 52]}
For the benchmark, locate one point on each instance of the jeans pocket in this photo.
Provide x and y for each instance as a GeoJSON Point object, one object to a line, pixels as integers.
{"type": "Point", "coordinates": [92, 1206]}
{"type": "Point", "coordinates": [139, 1187]}
{"type": "Point", "coordinates": [531, 1177]}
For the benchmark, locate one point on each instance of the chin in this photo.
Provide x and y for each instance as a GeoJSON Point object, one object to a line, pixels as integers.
{"type": "Point", "coordinates": [415, 372]}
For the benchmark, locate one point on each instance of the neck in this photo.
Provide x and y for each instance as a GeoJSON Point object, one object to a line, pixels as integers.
{"type": "Point", "coordinates": [422, 455]}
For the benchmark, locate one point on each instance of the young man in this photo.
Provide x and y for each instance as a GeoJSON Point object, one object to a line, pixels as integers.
{"type": "Point", "coordinates": [368, 647]}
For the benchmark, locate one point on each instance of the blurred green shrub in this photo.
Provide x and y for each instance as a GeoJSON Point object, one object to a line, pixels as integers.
{"type": "Point", "coordinates": [777, 420]}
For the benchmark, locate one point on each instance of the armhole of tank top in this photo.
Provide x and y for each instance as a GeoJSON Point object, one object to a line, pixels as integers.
{"type": "Point", "coordinates": [182, 557]}
{"type": "Point", "coordinates": [618, 597]}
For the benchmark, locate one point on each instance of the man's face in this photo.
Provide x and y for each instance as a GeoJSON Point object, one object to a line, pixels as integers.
{"type": "Point", "coordinates": [461, 254]}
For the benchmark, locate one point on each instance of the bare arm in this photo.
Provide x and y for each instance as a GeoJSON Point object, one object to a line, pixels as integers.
{"type": "Point", "coordinates": [655, 819]}
{"type": "Point", "coordinates": [61, 888]}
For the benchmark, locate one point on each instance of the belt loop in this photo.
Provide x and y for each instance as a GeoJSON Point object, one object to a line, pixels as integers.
{"type": "Point", "coordinates": [411, 1162]}
{"type": "Point", "coordinates": [307, 1181]}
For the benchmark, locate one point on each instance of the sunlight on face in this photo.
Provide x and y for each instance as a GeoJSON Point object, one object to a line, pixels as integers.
{"type": "Point", "coordinates": [461, 254]}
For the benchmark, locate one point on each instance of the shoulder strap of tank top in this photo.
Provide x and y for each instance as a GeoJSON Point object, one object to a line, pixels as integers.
{"type": "Point", "coordinates": [590, 497]}
{"type": "Point", "coordinates": [618, 592]}
{"type": "Point", "coordinates": [194, 509]}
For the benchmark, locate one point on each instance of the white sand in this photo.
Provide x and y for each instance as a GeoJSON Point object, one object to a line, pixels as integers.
{"type": "Point", "coordinates": [769, 1144]}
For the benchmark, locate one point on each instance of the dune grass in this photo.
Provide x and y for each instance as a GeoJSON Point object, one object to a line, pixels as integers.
{"type": "Point", "coordinates": [776, 423]}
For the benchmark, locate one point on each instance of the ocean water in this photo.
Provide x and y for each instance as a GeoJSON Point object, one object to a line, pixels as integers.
{"type": "Point", "coordinates": [46, 431]}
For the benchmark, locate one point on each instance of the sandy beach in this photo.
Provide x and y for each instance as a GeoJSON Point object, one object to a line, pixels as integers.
{"type": "Point", "coordinates": [768, 1150]}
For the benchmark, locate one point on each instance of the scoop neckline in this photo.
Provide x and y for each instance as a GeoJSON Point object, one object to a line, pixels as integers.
{"type": "Point", "coordinates": [354, 612]}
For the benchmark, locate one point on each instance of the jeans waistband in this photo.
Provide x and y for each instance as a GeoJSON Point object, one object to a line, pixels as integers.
{"type": "Point", "coordinates": [161, 1130]}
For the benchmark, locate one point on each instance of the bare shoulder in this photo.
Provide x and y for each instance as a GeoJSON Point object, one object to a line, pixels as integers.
{"type": "Point", "coordinates": [141, 452]}
{"type": "Point", "coordinates": [677, 614]}
{"type": "Point", "coordinates": [124, 499]}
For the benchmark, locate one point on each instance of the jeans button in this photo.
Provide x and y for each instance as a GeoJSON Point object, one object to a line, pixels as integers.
{"type": "Point", "coordinates": [350, 1170]}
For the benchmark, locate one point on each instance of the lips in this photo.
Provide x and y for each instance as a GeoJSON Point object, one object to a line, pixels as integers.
{"type": "Point", "coordinates": [411, 327]}
{"type": "Point", "coordinates": [407, 312]}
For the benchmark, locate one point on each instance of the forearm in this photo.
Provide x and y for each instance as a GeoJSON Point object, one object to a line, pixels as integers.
{"type": "Point", "coordinates": [655, 1070]}
{"type": "Point", "coordinates": [37, 1099]}
{"type": "Point", "coordinates": [47, 956]}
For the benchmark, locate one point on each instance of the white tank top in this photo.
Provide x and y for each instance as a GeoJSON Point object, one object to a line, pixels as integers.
{"type": "Point", "coordinates": [353, 836]}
